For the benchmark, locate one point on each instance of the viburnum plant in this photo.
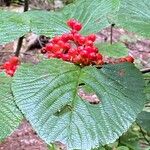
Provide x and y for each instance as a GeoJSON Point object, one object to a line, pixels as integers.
{"type": "Point", "coordinates": [48, 94]}
{"type": "Point", "coordinates": [52, 95]}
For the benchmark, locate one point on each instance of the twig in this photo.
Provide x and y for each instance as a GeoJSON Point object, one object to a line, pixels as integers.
{"type": "Point", "coordinates": [147, 70]}
{"type": "Point", "coordinates": [19, 45]}
{"type": "Point", "coordinates": [54, 5]}
{"type": "Point", "coordinates": [20, 40]}
{"type": "Point", "coordinates": [8, 2]}
{"type": "Point", "coordinates": [111, 33]}
{"type": "Point", "coordinates": [26, 5]}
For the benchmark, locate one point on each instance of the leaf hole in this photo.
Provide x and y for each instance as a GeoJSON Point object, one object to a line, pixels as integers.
{"type": "Point", "coordinates": [90, 97]}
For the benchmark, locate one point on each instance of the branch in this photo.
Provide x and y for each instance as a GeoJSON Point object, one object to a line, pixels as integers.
{"type": "Point", "coordinates": [111, 33]}
{"type": "Point", "coordinates": [26, 5]}
{"type": "Point", "coordinates": [19, 45]}
{"type": "Point", "coordinates": [20, 41]}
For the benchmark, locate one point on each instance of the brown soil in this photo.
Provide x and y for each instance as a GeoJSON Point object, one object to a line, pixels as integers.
{"type": "Point", "coordinates": [24, 138]}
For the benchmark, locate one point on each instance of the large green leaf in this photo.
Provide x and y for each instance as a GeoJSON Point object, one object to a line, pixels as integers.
{"type": "Point", "coordinates": [47, 94]}
{"type": "Point", "coordinates": [10, 116]}
{"type": "Point", "coordinates": [12, 26]}
{"type": "Point", "coordinates": [115, 50]}
{"type": "Point", "coordinates": [93, 15]}
{"type": "Point", "coordinates": [134, 15]}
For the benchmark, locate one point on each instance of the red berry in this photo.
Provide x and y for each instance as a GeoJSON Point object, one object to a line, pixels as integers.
{"type": "Point", "coordinates": [84, 53]}
{"type": "Point", "coordinates": [65, 57]}
{"type": "Point", "coordinates": [55, 48]}
{"type": "Point", "coordinates": [99, 56]}
{"type": "Point", "coordinates": [91, 37]}
{"type": "Point", "coordinates": [95, 49]}
{"type": "Point", "coordinates": [129, 59]}
{"type": "Point", "coordinates": [72, 52]}
{"type": "Point", "coordinates": [92, 56]}
{"type": "Point", "coordinates": [89, 43]}
{"type": "Point", "coordinates": [89, 49]}
{"type": "Point", "coordinates": [66, 46]}
{"type": "Point", "coordinates": [7, 65]}
{"type": "Point", "coordinates": [81, 40]}
{"type": "Point", "coordinates": [70, 36]}
{"type": "Point", "coordinates": [56, 39]}
{"type": "Point", "coordinates": [14, 60]}
{"type": "Point", "coordinates": [76, 36]}
{"type": "Point", "coordinates": [49, 47]}
{"type": "Point", "coordinates": [71, 23]}
{"type": "Point", "coordinates": [58, 54]}
{"type": "Point", "coordinates": [77, 26]}
{"type": "Point", "coordinates": [64, 37]}
{"type": "Point", "coordinates": [61, 43]}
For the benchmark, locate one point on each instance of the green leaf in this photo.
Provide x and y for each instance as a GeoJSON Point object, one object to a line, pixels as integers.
{"type": "Point", "coordinates": [131, 139]}
{"type": "Point", "coordinates": [47, 94]}
{"type": "Point", "coordinates": [115, 5]}
{"type": "Point", "coordinates": [115, 50]}
{"type": "Point", "coordinates": [12, 26]}
{"type": "Point", "coordinates": [93, 15]}
{"type": "Point", "coordinates": [134, 16]}
{"type": "Point", "coordinates": [10, 116]}
{"type": "Point", "coordinates": [46, 23]}
{"type": "Point", "coordinates": [144, 120]}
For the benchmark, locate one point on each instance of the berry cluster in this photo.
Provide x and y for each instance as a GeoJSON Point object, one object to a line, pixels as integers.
{"type": "Point", "coordinates": [10, 66]}
{"type": "Point", "coordinates": [74, 47]}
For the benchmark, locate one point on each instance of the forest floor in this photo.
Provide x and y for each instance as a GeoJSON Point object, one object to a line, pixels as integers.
{"type": "Point", "coordinates": [25, 138]}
